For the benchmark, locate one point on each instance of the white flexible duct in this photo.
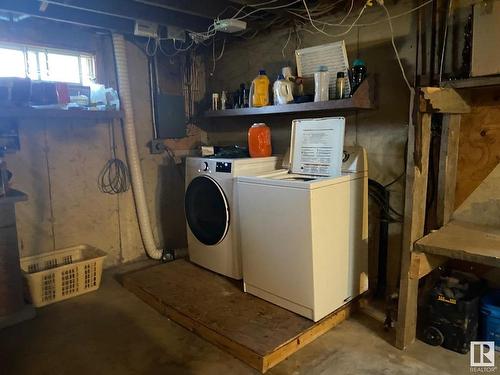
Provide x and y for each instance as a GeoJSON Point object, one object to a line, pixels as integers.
{"type": "Point", "coordinates": [132, 150]}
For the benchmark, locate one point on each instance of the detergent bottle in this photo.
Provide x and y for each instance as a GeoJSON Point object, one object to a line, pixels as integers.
{"type": "Point", "coordinates": [282, 91]}
{"type": "Point", "coordinates": [259, 91]}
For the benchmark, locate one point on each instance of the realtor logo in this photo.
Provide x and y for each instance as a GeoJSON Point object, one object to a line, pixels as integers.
{"type": "Point", "coordinates": [482, 354]}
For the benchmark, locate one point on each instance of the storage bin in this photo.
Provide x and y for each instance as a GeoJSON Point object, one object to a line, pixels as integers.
{"type": "Point", "coordinates": [490, 317]}
{"type": "Point", "coordinates": [62, 274]}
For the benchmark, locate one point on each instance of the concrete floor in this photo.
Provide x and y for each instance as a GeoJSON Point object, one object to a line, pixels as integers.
{"type": "Point", "coordinates": [113, 332]}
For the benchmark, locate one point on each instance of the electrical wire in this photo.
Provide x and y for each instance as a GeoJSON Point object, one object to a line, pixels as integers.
{"type": "Point", "coordinates": [114, 177]}
{"type": "Point", "coordinates": [445, 38]}
{"type": "Point", "coordinates": [286, 43]}
{"type": "Point", "coordinates": [333, 35]}
{"type": "Point", "coordinates": [215, 59]}
{"type": "Point", "coordinates": [348, 13]}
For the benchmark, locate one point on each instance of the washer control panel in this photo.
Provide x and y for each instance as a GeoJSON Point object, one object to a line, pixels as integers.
{"type": "Point", "coordinates": [223, 167]}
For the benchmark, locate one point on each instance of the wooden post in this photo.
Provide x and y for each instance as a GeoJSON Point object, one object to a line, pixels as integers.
{"type": "Point", "coordinates": [448, 159]}
{"type": "Point", "coordinates": [414, 221]}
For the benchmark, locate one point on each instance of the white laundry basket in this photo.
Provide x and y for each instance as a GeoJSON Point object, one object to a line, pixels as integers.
{"type": "Point", "coordinates": [62, 274]}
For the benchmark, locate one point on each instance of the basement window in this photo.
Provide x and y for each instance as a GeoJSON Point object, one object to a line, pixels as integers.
{"type": "Point", "coordinates": [46, 64]}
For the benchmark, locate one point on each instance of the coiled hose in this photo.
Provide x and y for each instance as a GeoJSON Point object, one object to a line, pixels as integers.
{"type": "Point", "coordinates": [132, 150]}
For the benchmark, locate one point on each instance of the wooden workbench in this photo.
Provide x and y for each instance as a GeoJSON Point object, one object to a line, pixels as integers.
{"type": "Point", "coordinates": [12, 306]}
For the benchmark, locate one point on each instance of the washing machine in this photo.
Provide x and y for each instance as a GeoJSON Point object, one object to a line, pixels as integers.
{"type": "Point", "coordinates": [305, 246]}
{"type": "Point", "coordinates": [210, 206]}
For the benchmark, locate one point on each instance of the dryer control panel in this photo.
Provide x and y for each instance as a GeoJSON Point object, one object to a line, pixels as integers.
{"type": "Point", "coordinates": [223, 167]}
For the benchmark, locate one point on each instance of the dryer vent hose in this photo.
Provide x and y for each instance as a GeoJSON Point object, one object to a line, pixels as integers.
{"type": "Point", "coordinates": [132, 150]}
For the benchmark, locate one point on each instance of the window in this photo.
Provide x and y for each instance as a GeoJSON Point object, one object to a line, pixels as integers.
{"type": "Point", "coordinates": [45, 64]}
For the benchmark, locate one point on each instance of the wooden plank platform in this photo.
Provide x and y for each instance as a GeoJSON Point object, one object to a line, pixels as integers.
{"type": "Point", "coordinates": [464, 241]}
{"type": "Point", "coordinates": [255, 331]}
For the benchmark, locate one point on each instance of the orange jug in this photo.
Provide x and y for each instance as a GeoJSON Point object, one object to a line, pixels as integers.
{"type": "Point", "coordinates": [259, 140]}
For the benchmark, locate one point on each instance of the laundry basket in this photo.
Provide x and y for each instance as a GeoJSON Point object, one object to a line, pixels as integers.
{"type": "Point", "coordinates": [62, 274]}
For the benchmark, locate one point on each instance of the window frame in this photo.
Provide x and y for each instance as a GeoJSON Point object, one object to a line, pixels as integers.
{"type": "Point", "coordinates": [26, 48]}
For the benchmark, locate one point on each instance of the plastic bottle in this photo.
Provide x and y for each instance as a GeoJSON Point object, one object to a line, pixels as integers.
{"type": "Point", "coordinates": [340, 86]}
{"type": "Point", "coordinates": [223, 100]}
{"type": "Point", "coordinates": [358, 74]}
{"type": "Point", "coordinates": [321, 84]}
{"type": "Point", "coordinates": [259, 91]}
{"type": "Point", "coordinates": [282, 91]}
{"type": "Point", "coordinates": [259, 141]}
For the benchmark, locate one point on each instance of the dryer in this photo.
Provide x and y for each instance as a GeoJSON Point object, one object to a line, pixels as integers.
{"type": "Point", "coordinates": [305, 246]}
{"type": "Point", "coordinates": [210, 206]}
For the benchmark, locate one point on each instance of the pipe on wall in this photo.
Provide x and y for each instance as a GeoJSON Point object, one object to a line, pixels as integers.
{"type": "Point", "coordinates": [132, 150]}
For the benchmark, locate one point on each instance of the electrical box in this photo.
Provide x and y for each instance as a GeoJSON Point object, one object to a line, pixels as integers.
{"type": "Point", "coordinates": [146, 29]}
{"type": "Point", "coordinates": [171, 116]}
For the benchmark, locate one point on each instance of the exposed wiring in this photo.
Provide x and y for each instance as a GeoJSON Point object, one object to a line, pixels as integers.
{"type": "Point", "coordinates": [267, 8]}
{"type": "Point", "coordinates": [295, 13]}
{"type": "Point", "coordinates": [348, 13]}
{"type": "Point", "coordinates": [215, 59]}
{"type": "Point", "coordinates": [114, 177]}
{"type": "Point", "coordinates": [333, 35]}
{"type": "Point", "coordinates": [389, 21]}
{"type": "Point", "coordinates": [286, 43]}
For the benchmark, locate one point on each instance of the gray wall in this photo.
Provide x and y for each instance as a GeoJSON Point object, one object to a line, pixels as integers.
{"type": "Point", "coordinates": [383, 132]}
{"type": "Point", "coordinates": [58, 167]}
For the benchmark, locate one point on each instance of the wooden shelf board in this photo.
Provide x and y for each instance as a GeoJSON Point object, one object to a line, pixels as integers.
{"type": "Point", "coordinates": [13, 196]}
{"type": "Point", "coordinates": [464, 241]}
{"type": "Point", "coordinates": [363, 98]}
{"type": "Point", "coordinates": [69, 114]}
{"type": "Point", "coordinates": [472, 82]}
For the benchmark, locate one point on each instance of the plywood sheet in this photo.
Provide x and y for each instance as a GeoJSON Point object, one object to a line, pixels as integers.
{"type": "Point", "coordinates": [464, 241]}
{"type": "Point", "coordinates": [216, 308]}
{"type": "Point", "coordinates": [479, 146]}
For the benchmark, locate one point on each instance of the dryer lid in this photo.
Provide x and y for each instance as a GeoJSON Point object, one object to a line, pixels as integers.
{"type": "Point", "coordinates": [316, 146]}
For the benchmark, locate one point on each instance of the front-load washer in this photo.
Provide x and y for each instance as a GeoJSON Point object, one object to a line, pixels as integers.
{"type": "Point", "coordinates": [210, 206]}
{"type": "Point", "coordinates": [305, 246]}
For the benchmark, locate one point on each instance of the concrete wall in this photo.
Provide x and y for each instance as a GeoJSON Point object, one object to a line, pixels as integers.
{"type": "Point", "coordinates": [60, 160]}
{"type": "Point", "coordinates": [383, 132]}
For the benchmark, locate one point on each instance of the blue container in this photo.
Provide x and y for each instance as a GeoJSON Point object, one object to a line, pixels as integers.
{"type": "Point", "coordinates": [490, 317]}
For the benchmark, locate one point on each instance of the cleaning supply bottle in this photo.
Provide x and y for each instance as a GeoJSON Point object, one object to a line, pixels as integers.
{"type": "Point", "coordinates": [259, 140]}
{"type": "Point", "coordinates": [259, 91]}
{"type": "Point", "coordinates": [358, 74]}
{"type": "Point", "coordinates": [321, 84]}
{"type": "Point", "coordinates": [282, 91]}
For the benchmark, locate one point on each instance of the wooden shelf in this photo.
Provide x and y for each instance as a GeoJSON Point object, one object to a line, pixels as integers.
{"type": "Point", "coordinates": [363, 98]}
{"type": "Point", "coordinates": [28, 112]}
{"type": "Point", "coordinates": [13, 196]}
{"type": "Point", "coordinates": [470, 83]}
{"type": "Point", "coordinates": [464, 241]}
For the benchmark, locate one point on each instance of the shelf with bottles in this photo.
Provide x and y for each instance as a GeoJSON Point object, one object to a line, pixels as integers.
{"type": "Point", "coordinates": [362, 99]}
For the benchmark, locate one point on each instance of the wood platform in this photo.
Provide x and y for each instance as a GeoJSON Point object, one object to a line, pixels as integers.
{"type": "Point", "coordinates": [257, 332]}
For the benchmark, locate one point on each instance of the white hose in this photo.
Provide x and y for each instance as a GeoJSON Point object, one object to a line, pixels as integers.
{"type": "Point", "coordinates": [132, 150]}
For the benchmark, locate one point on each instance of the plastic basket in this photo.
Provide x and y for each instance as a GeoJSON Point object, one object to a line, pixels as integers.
{"type": "Point", "coordinates": [62, 274]}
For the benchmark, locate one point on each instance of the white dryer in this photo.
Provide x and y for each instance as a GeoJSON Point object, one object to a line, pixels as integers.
{"type": "Point", "coordinates": [210, 206]}
{"type": "Point", "coordinates": [305, 246]}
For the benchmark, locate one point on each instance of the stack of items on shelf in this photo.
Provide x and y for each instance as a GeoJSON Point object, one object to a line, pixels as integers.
{"type": "Point", "coordinates": [23, 92]}
{"type": "Point", "coordinates": [313, 82]}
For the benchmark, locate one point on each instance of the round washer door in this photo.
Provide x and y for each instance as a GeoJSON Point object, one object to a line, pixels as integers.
{"type": "Point", "coordinates": [207, 210]}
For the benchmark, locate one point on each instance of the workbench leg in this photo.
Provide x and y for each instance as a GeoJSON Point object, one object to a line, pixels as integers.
{"type": "Point", "coordinates": [414, 221]}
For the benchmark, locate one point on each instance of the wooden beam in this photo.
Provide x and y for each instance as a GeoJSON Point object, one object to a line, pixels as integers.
{"type": "Point", "coordinates": [422, 264]}
{"type": "Point", "coordinates": [77, 17]}
{"type": "Point", "coordinates": [414, 221]}
{"type": "Point", "coordinates": [101, 16]}
{"type": "Point", "coordinates": [448, 161]}
{"type": "Point", "coordinates": [443, 100]}
{"type": "Point", "coordinates": [134, 10]}
{"type": "Point", "coordinates": [202, 8]}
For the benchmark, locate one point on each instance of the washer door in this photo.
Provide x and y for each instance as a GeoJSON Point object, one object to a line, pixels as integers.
{"type": "Point", "coordinates": [207, 210]}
